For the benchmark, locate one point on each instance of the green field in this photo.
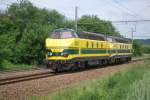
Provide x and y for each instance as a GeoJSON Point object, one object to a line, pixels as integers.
{"type": "Point", "coordinates": [129, 84]}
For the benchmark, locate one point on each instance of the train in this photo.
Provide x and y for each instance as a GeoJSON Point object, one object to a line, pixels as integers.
{"type": "Point", "coordinates": [67, 49]}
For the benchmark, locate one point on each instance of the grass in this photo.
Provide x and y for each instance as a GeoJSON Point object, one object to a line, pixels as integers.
{"type": "Point", "coordinates": [143, 56]}
{"type": "Point", "coordinates": [8, 66]}
{"type": "Point", "coordinates": [140, 90]}
{"type": "Point", "coordinates": [130, 84]}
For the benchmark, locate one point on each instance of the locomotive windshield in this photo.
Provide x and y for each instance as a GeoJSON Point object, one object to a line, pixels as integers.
{"type": "Point", "coordinates": [63, 34]}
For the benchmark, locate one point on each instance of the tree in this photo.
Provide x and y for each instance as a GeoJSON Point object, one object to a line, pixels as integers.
{"type": "Point", "coordinates": [92, 23]}
{"type": "Point", "coordinates": [23, 29]}
{"type": "Point", "coordinates": [137, 51]}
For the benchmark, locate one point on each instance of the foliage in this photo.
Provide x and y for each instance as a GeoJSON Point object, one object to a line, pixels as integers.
{"type": "Point", "coordinates": [94, 24]}
{"type": "Point", "coordinates": [146, 49]}
{"type": "Point", "coordinates": [24, 27]}
{"type": "Point", "coordinates": [137, 51]}
{"type": "Point", "coordinates": [10, 66]}
{"type": "Point", "coordinates": [144, 41]}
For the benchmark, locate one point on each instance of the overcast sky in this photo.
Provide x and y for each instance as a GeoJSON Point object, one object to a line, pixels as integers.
{"type": "Point", "coordinates": [112, 10]}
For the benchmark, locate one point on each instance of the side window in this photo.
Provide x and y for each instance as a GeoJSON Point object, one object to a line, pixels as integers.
{"type": "Point", "coordinates": [97, 44]}
{"type": "Point", "coordinates": [87, 44]}
{"type": "Point", "coordinates": [92, 45]}
{"type": "Point", "coordinates": [101, 45]}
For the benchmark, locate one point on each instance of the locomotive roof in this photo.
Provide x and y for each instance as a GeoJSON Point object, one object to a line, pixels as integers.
{"type": "Point", "coordinates": [64, 29]}
{"type": "Point", "coordinates": [98, 36]}
{"type": "Point", "coordinates": [93, 36]}
{"type": "Point", "coordinates": [121, 39]}
{"type": "Point", "coordinates": [86, 35]}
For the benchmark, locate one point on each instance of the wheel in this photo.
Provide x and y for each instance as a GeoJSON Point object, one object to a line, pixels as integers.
{"type": "Point", "coordinates": [57, 68]}
{"type": "Point", "coordinates": [80, 65]}
{"type": "Point", "coordinates": [48, 65]}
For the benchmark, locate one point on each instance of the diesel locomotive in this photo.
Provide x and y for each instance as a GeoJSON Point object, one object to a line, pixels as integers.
{"type": "Point", "coordinates": [67, 49]}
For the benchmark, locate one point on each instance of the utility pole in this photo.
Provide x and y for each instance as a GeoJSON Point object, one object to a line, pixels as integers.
{"type": "Point", "coordinates": [132, 30]}
{"type": "Point", "coordinates": [76, 18]}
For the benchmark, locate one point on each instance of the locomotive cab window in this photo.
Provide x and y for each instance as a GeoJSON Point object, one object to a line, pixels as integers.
{"type": "Point", "coordinates": [63, 34]}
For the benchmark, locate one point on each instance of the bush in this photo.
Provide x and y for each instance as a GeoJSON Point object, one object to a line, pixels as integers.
{"type": "Point", "coordinates": [7, 65]}
{"type": "Point", "coordinates": [146, 49]}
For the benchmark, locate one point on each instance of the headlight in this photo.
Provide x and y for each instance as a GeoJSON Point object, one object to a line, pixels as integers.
{"type": "Point", "coordinates": [64, 54]}
{"type": "Point", "coordinates": [49, 53]}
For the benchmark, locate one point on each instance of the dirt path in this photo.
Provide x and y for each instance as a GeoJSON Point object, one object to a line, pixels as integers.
{"type": "Point", "coordinates": [19, 91]}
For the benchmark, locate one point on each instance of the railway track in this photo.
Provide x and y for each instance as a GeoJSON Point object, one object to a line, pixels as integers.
{"type": "Point", "coordinates": [16, 79]}
{"type": "Point", "coordinates": [11, 80]}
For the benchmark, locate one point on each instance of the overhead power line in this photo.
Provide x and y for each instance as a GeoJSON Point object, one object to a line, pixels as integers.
{"type": "Point", "coordinates": [119, 21]}
{"type": "Point", "coordinates": [126, 8]}
{"type": "Point", "coordinates": [121, 8]}
{"type": "Point", "coordinates": [141, 35]}
{"type": "Point", "coordinates": [143, 20]}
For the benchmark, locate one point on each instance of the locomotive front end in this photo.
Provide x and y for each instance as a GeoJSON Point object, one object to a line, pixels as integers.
{"type": "Point", "coordinates": [61, 47]}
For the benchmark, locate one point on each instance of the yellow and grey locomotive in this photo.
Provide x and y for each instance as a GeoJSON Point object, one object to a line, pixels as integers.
{"type": "Point", "coordinates": [67, 49]}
